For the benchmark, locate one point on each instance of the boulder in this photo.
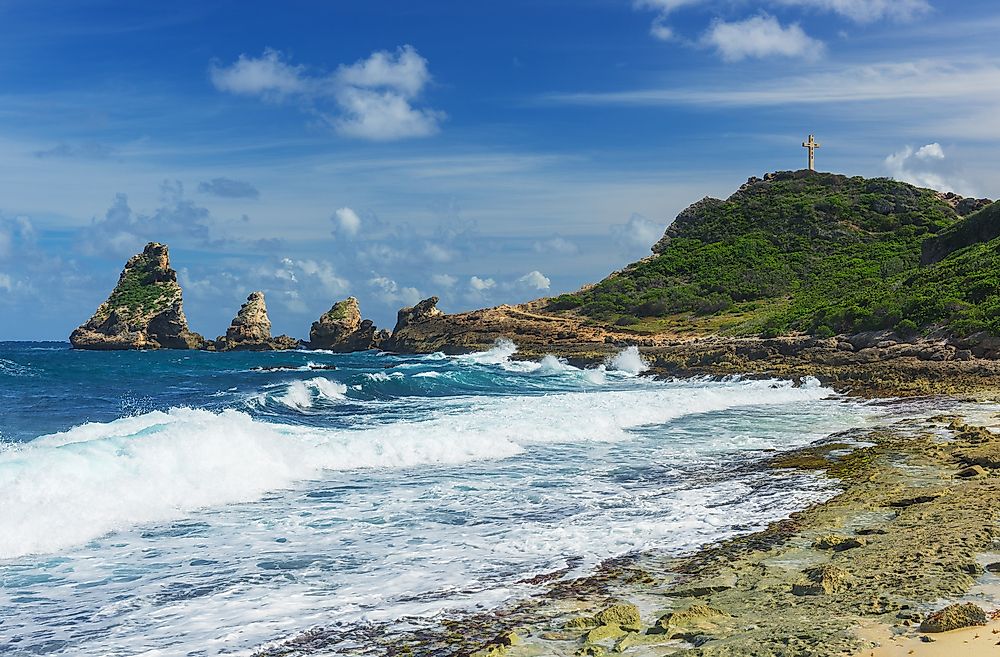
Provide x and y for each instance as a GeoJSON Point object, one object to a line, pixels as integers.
{"type": "Point", "coordinates": [687, 622]}
{"type": "Point", "coordinates": [144, 311]}
{"type": "Point", "coordinates": [250, 330]}
{"type": "Point", "coordinates": [342, 330]}
{"type": "Point", "coordinates": [624, 615]}
{"type": "Point", "coordinates": [954, 617]}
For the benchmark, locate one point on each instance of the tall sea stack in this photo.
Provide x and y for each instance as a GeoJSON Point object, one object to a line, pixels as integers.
{"type": "Point", "coordinates": [145, 310]}
{"type": "Point", "coordinates": [250, 330]}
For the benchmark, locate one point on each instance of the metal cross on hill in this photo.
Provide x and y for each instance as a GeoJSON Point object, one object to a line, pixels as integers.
{"type": "Point", "coordinates": [812, 146]}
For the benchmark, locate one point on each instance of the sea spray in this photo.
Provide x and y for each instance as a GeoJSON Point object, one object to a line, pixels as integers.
{"type": "Point", "coordinates": [628, 361]}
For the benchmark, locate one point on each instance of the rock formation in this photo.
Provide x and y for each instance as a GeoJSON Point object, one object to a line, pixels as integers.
{"type": "Point", "coordinates": [342, 330]}
{"type": "Point", "coordinates": [251, 330]}
{"type": "Point", "coordinates": [144, 311]}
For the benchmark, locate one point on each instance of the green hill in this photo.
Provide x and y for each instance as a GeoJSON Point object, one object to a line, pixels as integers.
{"type": "Point", "coordinates": [812, 252]}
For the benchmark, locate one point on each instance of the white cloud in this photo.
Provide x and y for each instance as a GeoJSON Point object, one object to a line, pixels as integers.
{"type": "Point", "coordinates": [6, 282]}
{"type": "Point", "coordinates": [372, 99]}
{"type": "Point", "coordinates": [438, 253]}
{"type": "Point", "coordinates": [15, 233]}
{"type": "Point", "coordinates": [444, 280]}
{"type": "Point", "coordinates": [761, 36]}
{"type": "Point", "coordinates": [927, 166]}
{"type": "Point", "coordinates": [867, 11]}
{"type": "Point", "coordinates": [347, 221]}
{"type": "Point", "coordinates": [267, 76]}
{"type": "Point", "coordinates": [390, 292]}
{"type": "Point", "coordinates": [535, 280]}
{"type": "Point", "coordinates": [557, 244]}
{"type": "Point", "coordinates": [482, 284]}
{"type": "Point", "coordinates": [638, 234]}
{"type": "Point", "coordinates": [325, 274]}
{"type": "Point", "coordinates": [660, 30]}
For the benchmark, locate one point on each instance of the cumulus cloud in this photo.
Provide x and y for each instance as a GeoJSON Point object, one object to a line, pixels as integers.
{"type": "Point", "coordinates": [535, 280]}
{"type": "Point", "coordinates": [15, 234]}
{"type": "Point", "coordinates": [391, 292]}
{"type": "Point", "coordinates": [761, 36]}
{"type": "Point", "coordinates": [228, 188]}
{"type": "Point", "coordinates": [927, 166]}
{"type": "Point", "coordinates": [482, 284]}
{"type": "Point", "coordinates": [347, 221]}
{"type": "Point", "coordinates": [375, 98]}
{"type": "Point", "coordinates": [637, 234]}
{"type": "Point", "coordinates": [267, 76]}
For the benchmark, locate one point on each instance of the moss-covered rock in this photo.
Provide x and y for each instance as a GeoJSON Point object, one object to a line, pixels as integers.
{"type": "Point", "coordinates": [954, 617]}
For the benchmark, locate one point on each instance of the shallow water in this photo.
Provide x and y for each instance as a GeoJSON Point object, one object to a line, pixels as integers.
{"type": "Point", "coordinates": [175, 503]}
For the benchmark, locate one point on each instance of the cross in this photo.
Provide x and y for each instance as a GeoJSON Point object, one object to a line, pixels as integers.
{"type": "Point", "coordinates": [812, 146]}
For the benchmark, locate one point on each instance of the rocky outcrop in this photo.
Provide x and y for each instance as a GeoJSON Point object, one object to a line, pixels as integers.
{"type": "Point", "coordinates": [342, 330]}
{"type": "Point", "coordinates": [251, 330]}
{"type": "Point", "coordinates": [145, 310]}
{"type": "Point", "coordinates": [978, 227]}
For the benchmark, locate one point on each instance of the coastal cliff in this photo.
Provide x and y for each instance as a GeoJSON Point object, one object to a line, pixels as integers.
{"type": "Point", "coordinates": [251, 330]}
{"type": "Point", "coordinates": [145, 310]}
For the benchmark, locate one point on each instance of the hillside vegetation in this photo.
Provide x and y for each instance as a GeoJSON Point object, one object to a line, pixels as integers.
{"type": "Point", "coordinates": [811, 252]}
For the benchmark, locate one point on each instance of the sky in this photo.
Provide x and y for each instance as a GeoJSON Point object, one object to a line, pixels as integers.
{"type": "Point", "coordinates": [485, 153]}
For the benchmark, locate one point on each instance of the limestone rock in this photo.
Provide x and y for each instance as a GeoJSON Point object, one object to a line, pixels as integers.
{"type": "Point", "coordinates": [251, 330]}
{"type": "Point", "coordinates": [407, 336]}
{"type": "Point", "coordinates": [342, 330]}
{"type": "Point", "coordinates": [624, 615]}
{"type": "Point", "coordinates": [145, 310]}
{"type": "Point", "coordinates": [681, 624]}
{"type": "Point", "coordinates": [972, 471]}
{"type": "Point", "coordinates": [826, 579]}
{"type": "Point", "coordinates": [838, 543]}
{"type": "Point", "coordinates": [954, 617]}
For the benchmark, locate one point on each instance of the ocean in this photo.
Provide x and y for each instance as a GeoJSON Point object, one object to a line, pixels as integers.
{"type": "Point", "coordinates": [192, 503]}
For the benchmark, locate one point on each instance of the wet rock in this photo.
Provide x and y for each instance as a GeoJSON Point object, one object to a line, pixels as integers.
{"type": "Point", "coordinates": [823, 580]}
{"type": "Point", "coordinates": [342, 330]}
{"type": "Point", "coordinates": [498, 646]}
{"type": "Point", "coordinates": [838, 543]}
{"type": "Point", "coordinates": [705, 587]}
{"type": "Point", "coordinates": [987, 456]}
{"type": "Point", "coordinates": [144, 311]}
{"type": "Point", "coordinates": [954, 617]}
{"type": "Point", "coordinates": [592, 651]}
{"type": "Point", "coordinates": [993, 567]}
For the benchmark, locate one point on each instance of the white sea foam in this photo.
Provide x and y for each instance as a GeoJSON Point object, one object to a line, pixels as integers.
{"type": "Point", "coordinates": [70, 487]}
{"type": "Point", "coordinates": [499, 354]}
{"type": "Point", "coordinates": [301, 395]}
{"type": "Point", "coordinates": [629, 361]}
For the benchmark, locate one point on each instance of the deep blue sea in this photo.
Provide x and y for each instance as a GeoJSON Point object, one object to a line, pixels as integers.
{"type": "Point", "coordinates": [189, 503]}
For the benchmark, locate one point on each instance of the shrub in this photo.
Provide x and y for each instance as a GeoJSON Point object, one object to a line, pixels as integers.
{"type": "Point", "coordinates": [906, 328]}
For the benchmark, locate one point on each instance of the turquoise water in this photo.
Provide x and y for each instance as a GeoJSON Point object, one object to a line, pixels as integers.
{"type": "Point", "coordinates": [188, 503]}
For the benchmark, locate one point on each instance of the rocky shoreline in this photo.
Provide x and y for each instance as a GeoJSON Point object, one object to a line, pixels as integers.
{"type": "Point", "coordinates": [912, 528]}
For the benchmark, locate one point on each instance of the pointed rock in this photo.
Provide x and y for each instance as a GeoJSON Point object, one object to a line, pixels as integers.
{"type": "Point", "coordinates": [251, 330]}
{"type": "Point", "coordinates": [409, 336]}
{"type": "Point", "coordinates": [342, 330]}
{"type": "Point", "coordinates": [145, 310]}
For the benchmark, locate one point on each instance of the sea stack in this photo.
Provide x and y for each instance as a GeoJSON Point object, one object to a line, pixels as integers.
{"type": "Point", "coordinates": [145, 310]}
{"type": "Point", "coordinates": [409, 335]}
{"type": "Point", "coordinates": [250, 330]}
{"type": "Point", "coordinates": [342, 330]}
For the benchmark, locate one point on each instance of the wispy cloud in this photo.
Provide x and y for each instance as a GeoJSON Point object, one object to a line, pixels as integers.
{"type": "Point", "coordinates": [909, 80]}
{"type": "Point", "coordinates": [228, 188]}
{"type": "Point", "coordinates": [867, 11]}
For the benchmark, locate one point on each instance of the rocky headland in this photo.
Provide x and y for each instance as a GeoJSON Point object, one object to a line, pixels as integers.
{"type": "Point", "coordinates": [144, 311]}
{"type": "Point", "coordinates": [251, 330]}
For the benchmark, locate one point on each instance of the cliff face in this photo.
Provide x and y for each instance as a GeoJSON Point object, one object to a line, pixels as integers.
{"type": "Point", "coordinates": [250, 330]}
{"type": "Point", "coordinates": [980, 226]}
{"type": "Point", "coordinates": [145, 310]}
{"type": "Point", "coordinates": [342, 330]}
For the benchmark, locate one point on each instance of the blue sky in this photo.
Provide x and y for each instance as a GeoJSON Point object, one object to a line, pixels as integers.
{"type": "Point", "coordinates": [484, 153]}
